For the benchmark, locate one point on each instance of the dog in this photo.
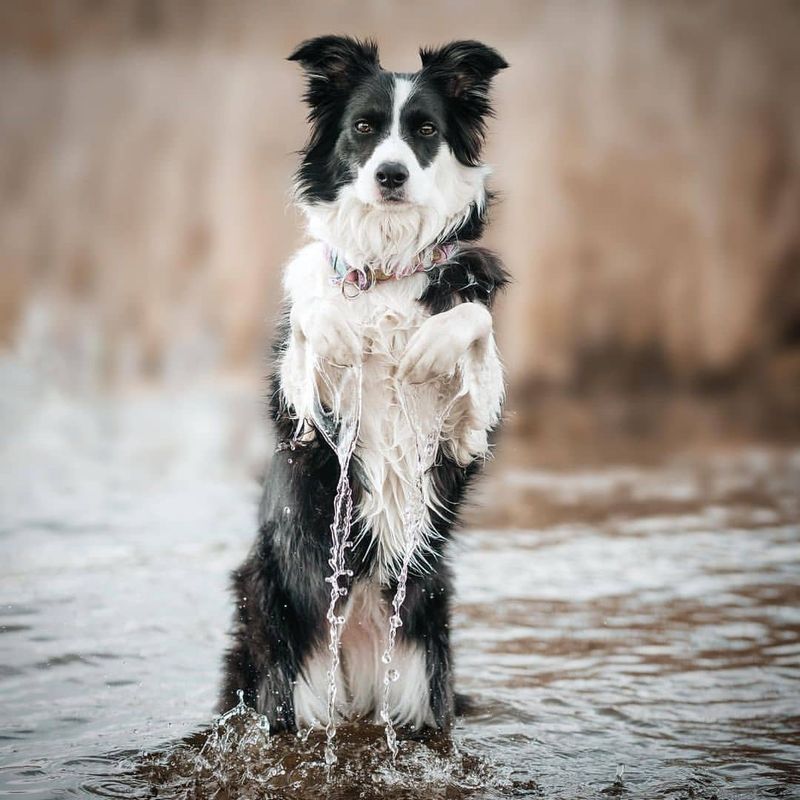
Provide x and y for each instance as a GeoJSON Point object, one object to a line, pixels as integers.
{"type": "Point", "coordinates": [392, 287]}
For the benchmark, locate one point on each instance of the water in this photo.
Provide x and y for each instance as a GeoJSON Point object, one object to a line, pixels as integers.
{"type": "Point", "coordinates": [414, 523]}
{"type": "Point", "coordinates": [337, 415]}
{"type": "Point", "coordinates": [340, 427]}
{"type": "Point", "coordinates": [235, 752]}
{"type": "Point", "coordinates": [627, 629]}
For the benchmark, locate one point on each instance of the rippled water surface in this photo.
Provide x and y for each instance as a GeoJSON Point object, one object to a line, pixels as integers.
{"type": "Point", "coordinates": [630, 629]}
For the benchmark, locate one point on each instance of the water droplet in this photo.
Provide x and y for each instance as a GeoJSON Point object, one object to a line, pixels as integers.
{"type": "Point", "coordinates": [287, 511]}
{"type": "Point", "coordinates": [392, 675]}
{"type": "Point", "coordinates": [290, 461]}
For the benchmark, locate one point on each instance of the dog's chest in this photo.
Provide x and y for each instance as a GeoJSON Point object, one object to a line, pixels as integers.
{"type": "Point", "coordinates": [396, 419]}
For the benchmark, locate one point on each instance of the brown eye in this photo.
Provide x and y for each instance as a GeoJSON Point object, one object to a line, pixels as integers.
{"type": "Point", "coordinates": [362, 126]}
{"type": "Point", "coordinates": [427, 129]}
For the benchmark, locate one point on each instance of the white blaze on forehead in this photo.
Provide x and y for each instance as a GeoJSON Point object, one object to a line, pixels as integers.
{"type": "Point", "coordinates": [393, 148]}
{"type": "Point", "coordinates": [437, 197]}
{"type": "Point", "coordinates": [402, 91]}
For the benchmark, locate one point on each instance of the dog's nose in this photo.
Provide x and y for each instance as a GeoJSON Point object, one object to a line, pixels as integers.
{"type": "Point", "coordinates": [391, 175]}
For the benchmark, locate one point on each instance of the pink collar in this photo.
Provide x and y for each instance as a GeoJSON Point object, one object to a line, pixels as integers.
{"type": "Point", "coordinates": [355, 280]}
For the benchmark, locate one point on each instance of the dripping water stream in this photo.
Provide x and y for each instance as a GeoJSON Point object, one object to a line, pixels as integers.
{"type": "Point", "coordinates": [414, 523]}
{"type": "Point", "coordinates": [341, 432]}
{"type": "Point", "coordinates": [340, 427]}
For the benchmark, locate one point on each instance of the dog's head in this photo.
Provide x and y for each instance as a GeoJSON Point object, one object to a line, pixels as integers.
{"type": "Point", "coordinates": [394, 141]}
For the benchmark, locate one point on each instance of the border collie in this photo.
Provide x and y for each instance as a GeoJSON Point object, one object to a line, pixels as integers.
{"type": "Point", "coordinates": [393, 286]}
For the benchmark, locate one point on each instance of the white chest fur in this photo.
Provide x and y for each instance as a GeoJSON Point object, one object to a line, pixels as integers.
{"type": "Point", "coordinates": [396, 416]}
{"type": "Point", "coordinates": [397, 419]}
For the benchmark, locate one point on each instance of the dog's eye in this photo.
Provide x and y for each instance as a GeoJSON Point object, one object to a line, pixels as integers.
{"type": "Point", "coordinates": [362, 126]}
{"type": "Point", "coordinates": [427, 129]}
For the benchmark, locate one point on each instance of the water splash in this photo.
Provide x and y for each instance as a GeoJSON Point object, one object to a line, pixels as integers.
{"type": "Point", "coordinates": [415, 518]}
{"type": "Point", "coordinates": [234, 751]}
{"type": "Point", "coordinates": [339, 426]}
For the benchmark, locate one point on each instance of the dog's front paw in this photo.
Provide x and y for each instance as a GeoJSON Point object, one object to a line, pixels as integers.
{"type": "Point", "coordinates": [329, 335]}
{"type": "Point", "coordinates": [436, 348]}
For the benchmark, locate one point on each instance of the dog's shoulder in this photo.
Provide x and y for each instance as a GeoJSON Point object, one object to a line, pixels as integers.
{"type": "Point", "coordinates": [473, 274]}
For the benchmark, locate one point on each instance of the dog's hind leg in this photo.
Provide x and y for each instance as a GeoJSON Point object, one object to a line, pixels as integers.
{"type": "Point", "coordinates": [426, 624]}
{"type": "Point", "coordinates": [264, 659]}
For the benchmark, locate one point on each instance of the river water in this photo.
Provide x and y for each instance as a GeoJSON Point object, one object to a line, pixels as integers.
{"type": "Point", "coordinates": [629, 628]}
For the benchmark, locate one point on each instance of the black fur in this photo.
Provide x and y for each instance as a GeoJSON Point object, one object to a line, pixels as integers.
{"type": "Point", "coordinates": [280, 590]}
{"type": "Point", "coordinates": [462, 71]}
{"type": "Point", "coordinates": [345, 84]}
{"type": "Point", "coordinates": [473, 275]}
{"type": "Point", "coordinates": [335, 67]}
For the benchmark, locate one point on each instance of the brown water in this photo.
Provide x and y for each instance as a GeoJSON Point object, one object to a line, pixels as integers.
{"type": "Point", "coordinates": [625, 630]}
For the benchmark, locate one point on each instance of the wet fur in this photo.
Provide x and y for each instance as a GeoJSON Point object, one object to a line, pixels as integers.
{"type": "Point", "coordinates": [279, 651]}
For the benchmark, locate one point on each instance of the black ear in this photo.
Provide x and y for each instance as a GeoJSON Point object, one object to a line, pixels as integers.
{"type": "Point", "coordinates": [463, 71]}
{"type": "Point", "coordinates": [334, 64]}
{"type": "Point", "coordinates": [464, 68]}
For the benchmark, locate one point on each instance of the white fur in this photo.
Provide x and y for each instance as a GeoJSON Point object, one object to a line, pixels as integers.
{"type": "Point", "coordinates": [359, 688]}
{"type": "Point", "coordinates": [366, 230]}
{"type": "Point", "coordinates": [394, 149]}
{"type": "Point", "coordinates": [389, 332]}
{"type": "Point", "coordinates": [430, 364]}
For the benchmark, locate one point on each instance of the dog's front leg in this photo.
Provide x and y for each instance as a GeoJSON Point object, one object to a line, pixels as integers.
{"type": "Point", "coordinates": [322, 346]}
{"type": "Point", "coordinates": [320, 325]}
{"type": "Point", "coordinates": [320, 337]}
{"type": "Point", "coordinates": [443, 340]}
{"type": "Point", "coordinates": [461, 339]}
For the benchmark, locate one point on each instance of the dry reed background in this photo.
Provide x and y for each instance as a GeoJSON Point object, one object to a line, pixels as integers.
{"type": "Point", "coordinates": [648, 156]}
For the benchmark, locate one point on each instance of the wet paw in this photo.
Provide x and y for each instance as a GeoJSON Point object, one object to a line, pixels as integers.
{"type": "Point", "coordinates": [330, 336]}
{"type": "Point", "coordinates": [436, 348]}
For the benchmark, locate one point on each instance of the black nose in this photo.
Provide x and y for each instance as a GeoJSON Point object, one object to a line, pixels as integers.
{"type": "Point", "coordinates": [391, 175]}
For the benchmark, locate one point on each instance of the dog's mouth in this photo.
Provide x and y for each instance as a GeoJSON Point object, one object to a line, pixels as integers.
{"type": "Point", "coordinates": [398, 204]}
{"type": "Point", "coordinates": [393, 197]}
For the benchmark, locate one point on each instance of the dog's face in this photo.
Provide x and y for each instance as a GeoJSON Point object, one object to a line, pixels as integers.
{"type": "Point", "coordinates": [393, 140]}
{"type": "Point", "coordinates": [391, 135]}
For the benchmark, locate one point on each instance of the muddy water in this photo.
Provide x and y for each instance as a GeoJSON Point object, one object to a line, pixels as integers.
{"type": "Point", "coordinates": [626, 630]}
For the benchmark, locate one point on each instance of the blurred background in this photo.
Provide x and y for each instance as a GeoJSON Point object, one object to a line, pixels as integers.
{"type": "Point", "coordinates": [627, 582]}
{"type": "Point", "coordinates": [647, 157]}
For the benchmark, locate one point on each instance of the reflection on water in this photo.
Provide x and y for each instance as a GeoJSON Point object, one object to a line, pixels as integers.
{"type": "Point", "coordinates": [625, 631]}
